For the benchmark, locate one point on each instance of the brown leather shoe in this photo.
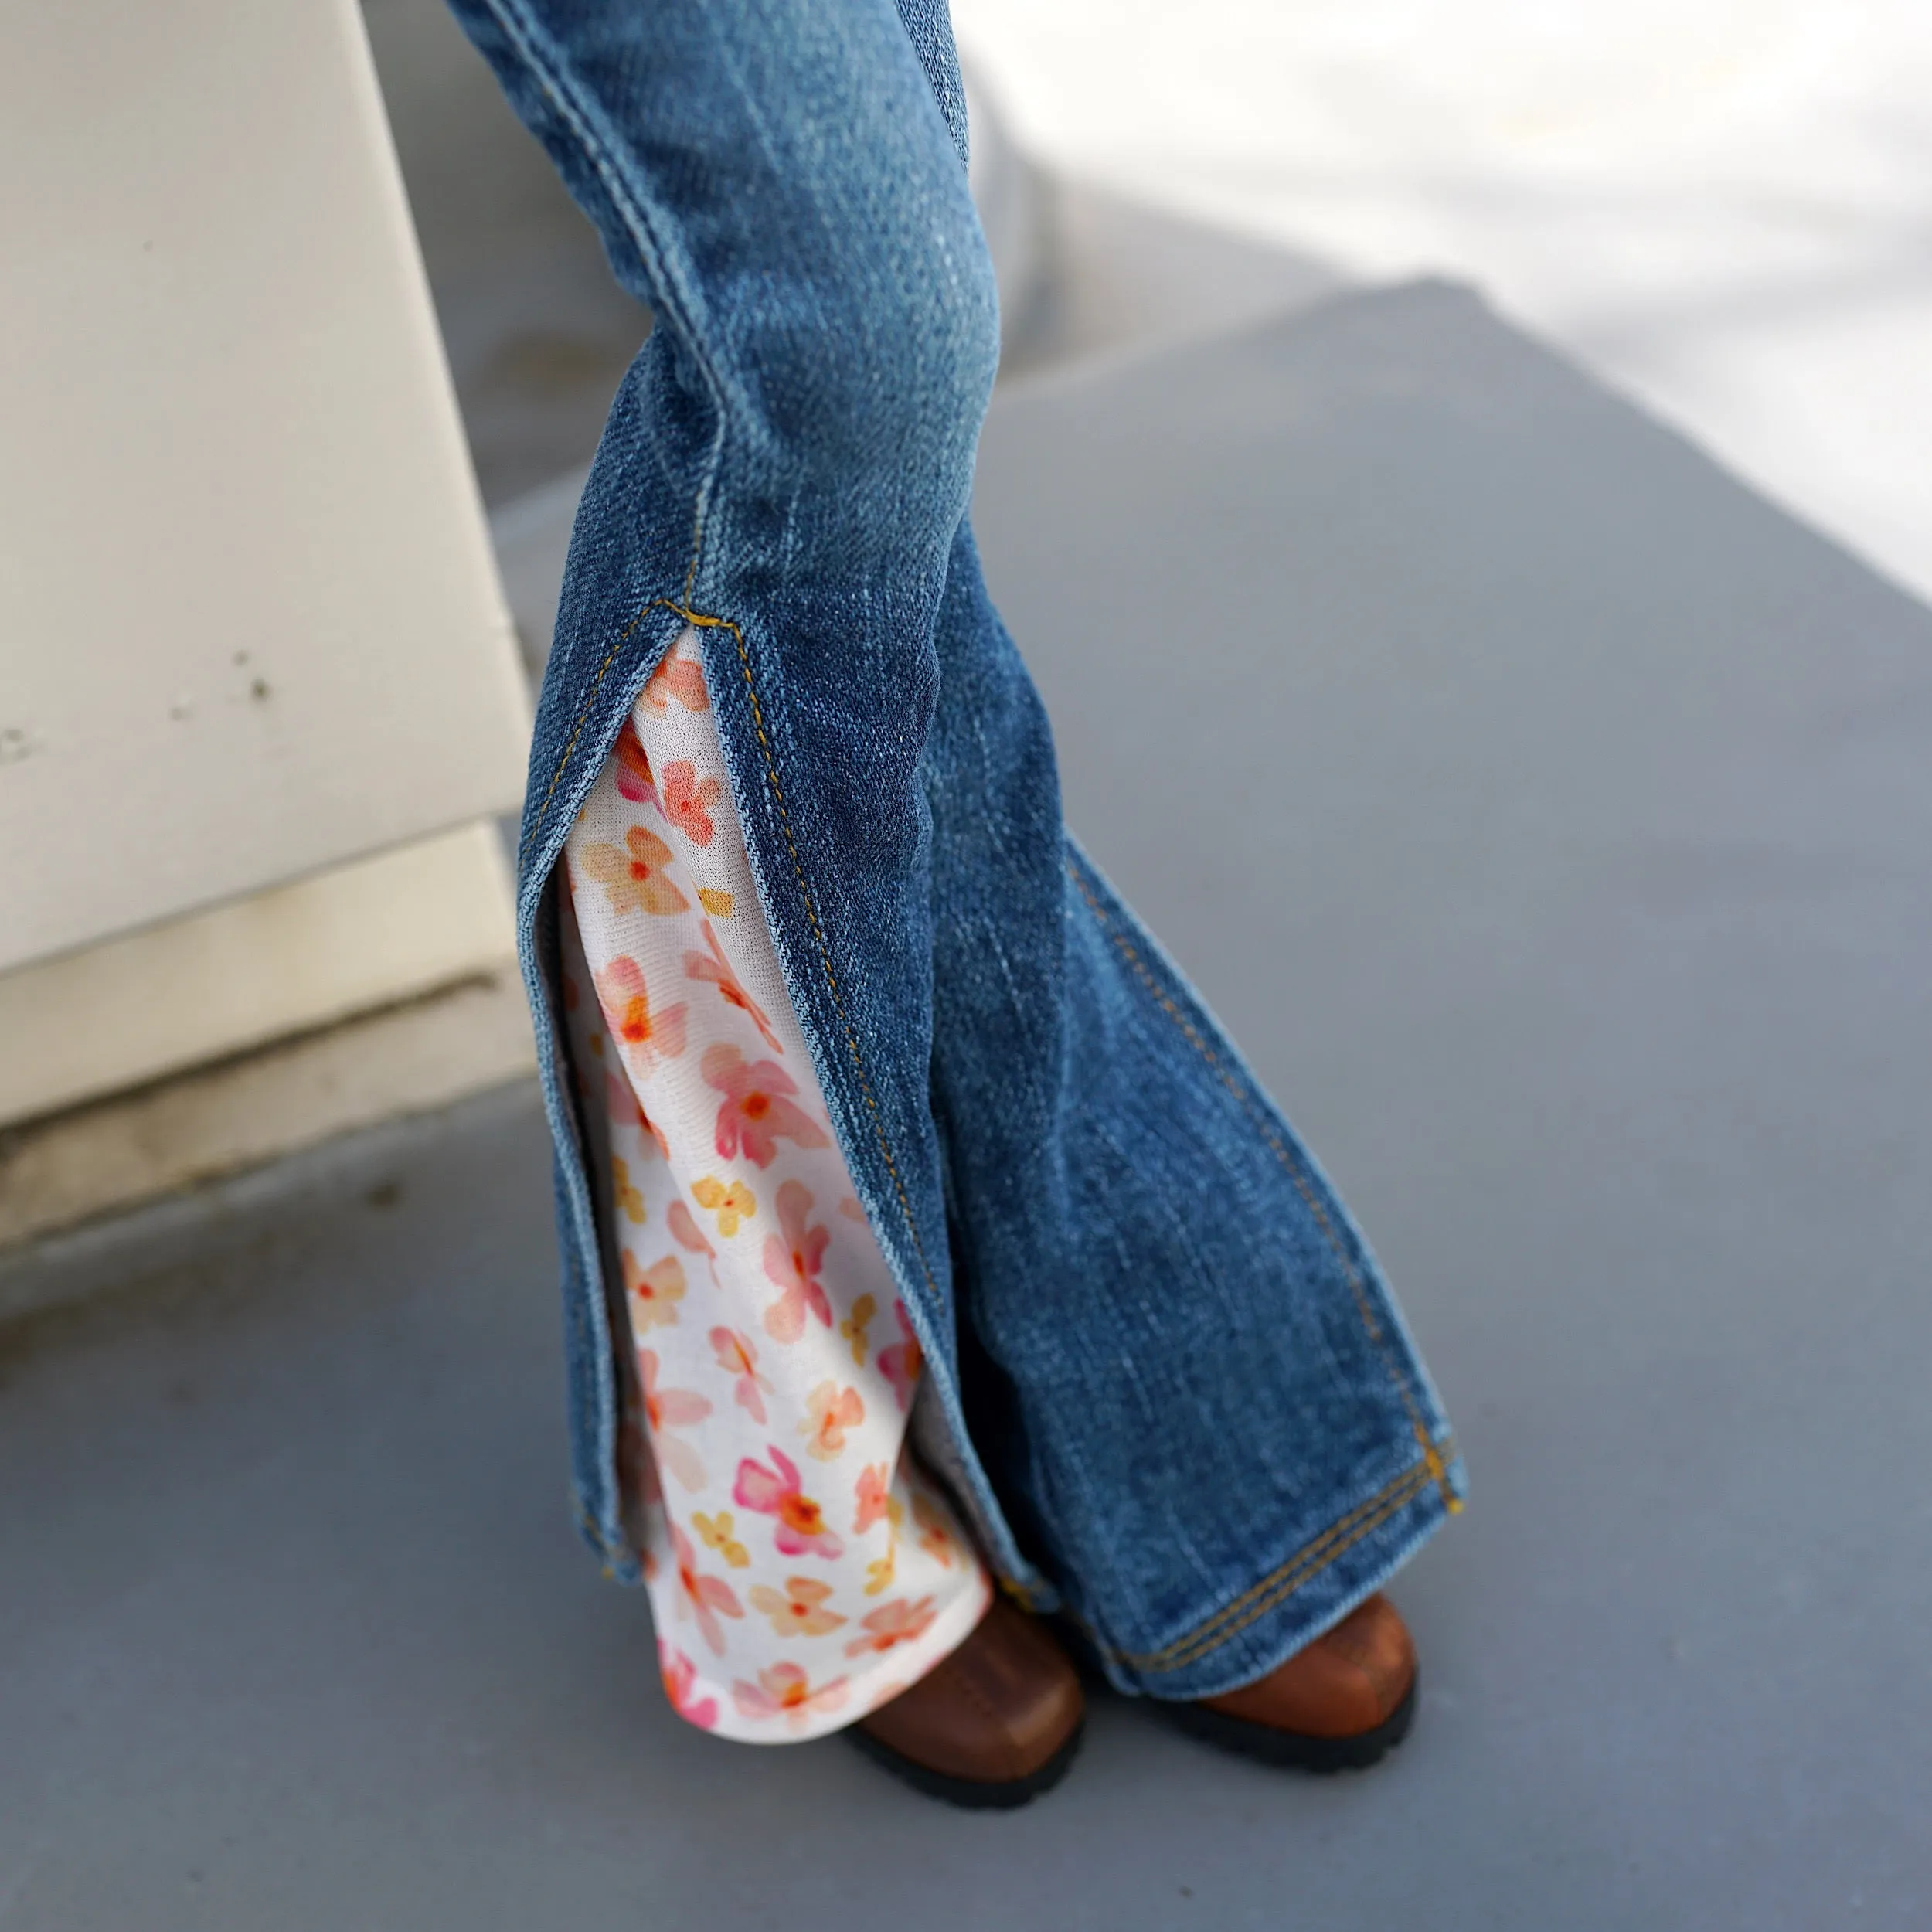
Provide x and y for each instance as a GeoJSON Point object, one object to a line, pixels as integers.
{"type": "Point", "coordinates": [991, 1726]}
{"type": "Point", "coordinates": [1340, 1703]}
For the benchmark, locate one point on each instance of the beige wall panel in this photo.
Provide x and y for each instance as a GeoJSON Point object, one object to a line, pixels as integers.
{"type": "Point", "coordinates": [200, 988]}
{"type": "Point", "coordinates": [250, 624]}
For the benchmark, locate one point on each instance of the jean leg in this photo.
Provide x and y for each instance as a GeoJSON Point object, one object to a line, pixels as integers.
{"type": "Point", "coordinates": [784, 470]}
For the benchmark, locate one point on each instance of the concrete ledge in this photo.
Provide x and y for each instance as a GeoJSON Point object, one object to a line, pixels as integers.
{"type": "Point", "coordinates": [217, 1121]}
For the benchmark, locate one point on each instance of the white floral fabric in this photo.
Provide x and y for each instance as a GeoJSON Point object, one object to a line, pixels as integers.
{"type": "Point", "coordinates": [801, 1568]}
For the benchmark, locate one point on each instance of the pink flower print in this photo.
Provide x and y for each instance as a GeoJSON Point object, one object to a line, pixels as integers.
{"type": "Point", "coordinates": [876, 1503]}
{"type": "Point", "coordinates": [680, 677]}
{"type": "Point", "coordinates": [798, 1610]}
{"type": "Point", "coordinates": [897, 1622]}
{"type": "Point", "coordinates": [686, 1233]}
{"type": "Point", "coordinates": [717, 971]}
{"type": "Point", "coordinates": [633, 767]}
{"type": "Point", "coordinates": [793, 1261]}
{"type": "Point", "coordinates": [623, 1109]}
{"type": "Point", "coordinates": [668, 1409]}
{"type": "Point", "coordinates": [778, 1491]}
{"type": "Point", "coordinates": [784, 1691]}
{"type": "Point", "coordinates": [739, 1358]}
{"type": "Point", "coordinates": [901, 1364]}
{"type": "Point", "coordinates": [654, 1292]}
{"type": "Point", "coordinates": [627, 1005]}
{"type": "Point", "coordinates": [850, 1208]}
{"type": "Point", "coordinates": [830, 1411]}
{"type": "Point", "coordinates": [707, 1598]}
{"type": "Point", "coordinates": [680, 1677]}
{"type": "Point", "coordinates": [757, 1110]}
{"type": "Point", "coordinates": [688, 800]}
{"type": "Point", "coordinates": [635, 878]}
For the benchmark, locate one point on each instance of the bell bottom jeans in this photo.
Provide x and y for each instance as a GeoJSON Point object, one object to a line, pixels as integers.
{"type": "Point", "coordinates": [1167, 1389]}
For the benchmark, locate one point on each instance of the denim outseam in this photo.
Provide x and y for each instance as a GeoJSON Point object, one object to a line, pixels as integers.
{"type": "Point", "coordinates": [1245, 1092]}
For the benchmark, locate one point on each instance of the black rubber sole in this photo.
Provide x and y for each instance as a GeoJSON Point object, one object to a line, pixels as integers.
{"type": "Point", "coordinates": [967, 1793]}
{"type": "Point", "coordinates": [1291, 1749]}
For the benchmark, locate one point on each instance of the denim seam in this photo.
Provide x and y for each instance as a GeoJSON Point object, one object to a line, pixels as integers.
{"type": "Point", "coordinates": [1432, 1458]}
{"type": "Point", "coordinates": [670, 305]}
{"type": "Point", "coordinates": [1301, 1569]}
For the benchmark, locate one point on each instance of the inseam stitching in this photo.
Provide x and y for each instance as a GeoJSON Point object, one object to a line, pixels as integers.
{"type": "Point", "coordinates": [1432, 1459]}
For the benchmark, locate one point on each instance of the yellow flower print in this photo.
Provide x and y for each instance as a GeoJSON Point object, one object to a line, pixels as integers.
{"type": "Point", "coordinates": [853, 1327]}
{"type": "Point", "coordinates": [879, 1576]}
{"type": "Point", "coordinates": [731, 1203]}
{"type": "Point", "coordinates": [797, 1610]}
{"type": "Point", "coordinates": [717, 904]}
{"type": "Point", "coordinates": [715, 1533]}
{"type": "Point", "coordinates": [654, 1292]}
{"type": "Point", "coordinates": [629, 1200]}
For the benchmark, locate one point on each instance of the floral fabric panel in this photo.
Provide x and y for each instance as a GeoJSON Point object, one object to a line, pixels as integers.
{"type": "Point", "coordinates": [801, 1569]}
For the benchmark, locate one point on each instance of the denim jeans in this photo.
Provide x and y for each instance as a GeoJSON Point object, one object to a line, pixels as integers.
{"type": "Point", "coordinates": [1168, 1383]}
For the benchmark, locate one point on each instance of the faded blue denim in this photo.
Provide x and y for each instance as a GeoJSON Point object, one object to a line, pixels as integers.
{"type": "Point", "coordinates": [1177, 1399]}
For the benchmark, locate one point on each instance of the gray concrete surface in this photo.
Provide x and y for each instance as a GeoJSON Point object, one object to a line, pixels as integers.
{"type": "Point", "coordinates": [1550, 819]}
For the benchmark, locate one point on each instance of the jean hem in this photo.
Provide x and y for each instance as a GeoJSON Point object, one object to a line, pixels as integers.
{"type": "Point", "coordinates": [1252, 1632]}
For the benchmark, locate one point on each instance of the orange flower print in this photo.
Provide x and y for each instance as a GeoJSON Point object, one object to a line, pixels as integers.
{"type": "Point", "coordinates": [875, 1501]}
{"type": "Point", "coordinates": [707, 1598]}
{"type": "Point", "coordinates": [784, 1691]}
{"type": "Point", "coordinates": [680, 677]}
{"type": "Point", "coordinates": [898, 1622]}
{"type": "Point", "coordinates": [715, 1533]}
{"type": "Point", "coordinates": [778, 1492]}
{"type": "Point", "coordinates": [646, 1037]}
{"type": "Point", "coordinates": [716, 971]}
{"type": "Point", "coordinates": [739, 1358]}
{"type": "Point", "coordinates": [680, 1677]}
{"type": "Point", "coordinates": [935, 1537]}
{"type": "Point", "coordinates": [625, 1111]}
{"type": "Point", "coordinates": [654, 1292]}
{"type": "Point", "coordinates": [630, 1202]}
{"type": "Point", "coordinates": [901, 1364]}
{"type": "Point", "coordinates": [731, 1204]}
{"type": "Point", "coordinates": [850, 1208]}
{"type": "Point", "coordinates": [668, 1409]}
{"type": "Point", "coordinates": [633, 767]}
{"type": "Point", "coordinates": [793, 1261]}
{"type": "Point", "coordinates": [854, 1326]}
{"type": "Point", "coordinates": [758, 1111]}
{"type": "Point", "coordinates": [879, 1576]}
{"type": "Point", "coordinates": [719, 904]}
{"type": "Point", "coordinates": [830, 1411]}
{"type": "Point", "coordinates": [633, 880]}
{"type": "Point", "coordinates": [688, 800]}
{"type": "Point", "coordinates": [797, 1610]}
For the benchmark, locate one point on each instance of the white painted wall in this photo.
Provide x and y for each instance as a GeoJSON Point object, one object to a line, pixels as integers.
{"type": "Point", "coordinates": [250, 624]}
